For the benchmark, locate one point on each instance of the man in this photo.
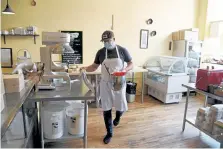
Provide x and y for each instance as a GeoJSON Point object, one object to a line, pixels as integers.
{"type": "Point", "coordinates": [111, 58]}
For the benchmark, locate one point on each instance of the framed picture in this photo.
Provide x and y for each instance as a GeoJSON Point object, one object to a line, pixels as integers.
{"type": "Point", "coordinates": [76, 43]}
{"type": "Point", "coordinates": [6, 58]}
{"type": "Point", "coordinates": [144, 36]}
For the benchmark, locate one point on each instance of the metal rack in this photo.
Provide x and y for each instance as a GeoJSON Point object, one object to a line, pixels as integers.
{"type": "Point", "coordinates": [191, 86]}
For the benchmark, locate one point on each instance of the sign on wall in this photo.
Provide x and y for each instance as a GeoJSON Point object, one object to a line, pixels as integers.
{"type": "Point", "coordinates": [76, 43]}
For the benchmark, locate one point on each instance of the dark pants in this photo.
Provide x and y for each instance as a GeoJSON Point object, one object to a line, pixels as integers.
{"type": "Point", "coordinates": [108, 120]}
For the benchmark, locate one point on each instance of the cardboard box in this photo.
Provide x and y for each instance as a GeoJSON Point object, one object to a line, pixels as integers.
{"type": "Point", "coordinates": [176, 35]}
{"type": "Point", "coordinates": [13, 83]}
{"type": "Point", "coordinates": [189, 35]}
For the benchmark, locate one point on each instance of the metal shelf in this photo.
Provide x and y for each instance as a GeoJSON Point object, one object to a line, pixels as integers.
{"type": "Point", "coordinates": [34, 37]}
{"type": "Point", "coordinates": [191, 86]}
{"type": "Point", "coordinates": [65, 137]}
{"type": "Point", "coordinates": [215, 137]}
{"type": "Point", "coordinates": [13, 102]}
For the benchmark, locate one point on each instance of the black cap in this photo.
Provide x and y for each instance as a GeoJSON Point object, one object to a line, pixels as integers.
{"type": "Point", "coordinates": [107, 35]}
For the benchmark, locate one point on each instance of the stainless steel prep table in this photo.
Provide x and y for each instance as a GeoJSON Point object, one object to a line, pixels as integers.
{"type": "Point", "coordinates": [78, 91]}
{"type": "Point", "coordinates": [191, 86]}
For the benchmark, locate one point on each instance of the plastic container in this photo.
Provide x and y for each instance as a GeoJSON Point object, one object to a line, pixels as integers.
{"type": "Point", "coordinates": [75, 118]}
{"type": "Point", "coordinates": [53, 121]}
{"type": "Point", "coordinates": [130, 91]}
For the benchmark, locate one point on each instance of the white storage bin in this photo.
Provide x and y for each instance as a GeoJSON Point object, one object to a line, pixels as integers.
{"type": "Point", "coordinates": [53, 121]}
{"type": "Point", "coordinates": [218, 128]}
{"type": "Point", "coordinates": [75, 118]}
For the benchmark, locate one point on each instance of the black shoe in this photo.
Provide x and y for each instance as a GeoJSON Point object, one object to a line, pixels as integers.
{"type": "Point", "coordinates": [117, 118]}
{"type": "Point", "coordinates": [107, 138]}
{"type": "Point", "coordinates": [115, 122]}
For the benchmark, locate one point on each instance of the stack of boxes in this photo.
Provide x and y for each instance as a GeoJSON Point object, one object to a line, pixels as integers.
{"type": "Point", "coordinates": [211, 119]}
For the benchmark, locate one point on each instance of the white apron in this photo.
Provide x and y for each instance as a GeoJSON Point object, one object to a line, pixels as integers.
{"type": "Point", "coordinates": [109, 97]}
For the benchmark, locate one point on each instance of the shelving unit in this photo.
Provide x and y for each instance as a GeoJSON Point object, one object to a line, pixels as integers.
{"type": "Point", "coordinates": [34, 37]}
{"type": "Point", "coordinates": [66, 136]}
{"type": "Point", "coordinates": [191, 86]}
{"type": "Point", "coordinates": [215, 137]}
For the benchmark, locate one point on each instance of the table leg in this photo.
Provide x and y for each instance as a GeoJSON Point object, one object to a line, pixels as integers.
{"type": "Point", "coordinates": [24, 120]}
{"type": "Point", "coordinates": [185, 110]}
{"type": "Point", "coordinates": [96, 91]}
{"type": "Point", "coordinates": [206, 100]}
{"type": "Point", "coordinates": [142, 91]}
{"type": "Point", "coordinates": [133, 75]}
{"type": "Point", "coordinates": [41, 123]}
{"type": "Point", "coordinates": [85, 124]}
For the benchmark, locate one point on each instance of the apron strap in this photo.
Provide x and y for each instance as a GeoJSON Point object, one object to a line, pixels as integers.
{"type": "Point", "coordinates": [117, 51]}
{"type": "Point", "coordinates": [106, 54]}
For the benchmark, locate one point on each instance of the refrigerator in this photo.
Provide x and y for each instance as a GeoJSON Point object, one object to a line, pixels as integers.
{"type": "Point", "coordinates": [192, 51]}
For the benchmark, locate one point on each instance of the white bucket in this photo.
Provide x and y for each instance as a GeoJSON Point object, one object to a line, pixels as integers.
{"type": "Point", "coordinates": [53, 121]}
{"type": "Point", "coordinates": [75, 118]}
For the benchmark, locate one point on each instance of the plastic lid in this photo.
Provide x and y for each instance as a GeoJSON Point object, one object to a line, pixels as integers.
{"type": "Point", "coordinates": [118, 73]}
{"type": "Point", "coordinates": [53, 108]}
{"type": "Point", "coordinates": [56, 107]}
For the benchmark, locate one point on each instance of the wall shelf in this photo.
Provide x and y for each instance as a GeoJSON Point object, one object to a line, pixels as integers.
{"type": "Point", "coordinates": [34, 37]}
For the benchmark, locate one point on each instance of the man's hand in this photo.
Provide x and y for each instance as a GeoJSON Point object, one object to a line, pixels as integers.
{"type": "Point", "coordinates": [83, 68]}
{"type": "Point", "coordinates": [128, 67]}
{"type": "Point", "coordinates": [90, 68]}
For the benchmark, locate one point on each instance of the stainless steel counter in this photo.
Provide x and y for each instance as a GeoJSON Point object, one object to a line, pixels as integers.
{"type": "Point", "coordinates": [78, 91]}
{"type": "Point", "coordinates": [13, 102]}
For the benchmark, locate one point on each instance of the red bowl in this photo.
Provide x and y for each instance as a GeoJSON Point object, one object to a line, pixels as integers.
{"type": "Point", "coordinates": [119, 73]}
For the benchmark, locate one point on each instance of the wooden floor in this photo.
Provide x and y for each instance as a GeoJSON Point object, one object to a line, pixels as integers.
{"type": "Point", "coordinates": [151, 124]}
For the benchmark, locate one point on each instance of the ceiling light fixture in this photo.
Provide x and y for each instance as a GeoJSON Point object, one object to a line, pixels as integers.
{"type": "Point", "coordinates": [8, 9]}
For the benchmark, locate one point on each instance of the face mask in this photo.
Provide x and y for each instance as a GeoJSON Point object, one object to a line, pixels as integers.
{"type": "Point", "coordinates": [109, 46]}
